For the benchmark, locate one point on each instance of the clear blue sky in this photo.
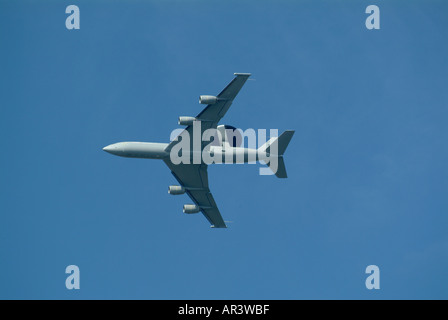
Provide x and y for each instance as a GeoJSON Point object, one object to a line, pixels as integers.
{"type": "Point", "coordinates": [367, 166]}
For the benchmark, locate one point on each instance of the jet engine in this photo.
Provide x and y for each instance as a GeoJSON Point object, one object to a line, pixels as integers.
{"type": "Point", "coordinates": [175, 190]}
{"type": "Point", "coordinates": [186, 121]}
{"type": "Point", "coordinates": [207, 99]}
{"type": "Point", "coordinates": [191, 208]}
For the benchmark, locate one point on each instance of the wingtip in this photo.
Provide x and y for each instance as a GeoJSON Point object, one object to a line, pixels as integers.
{"type": "Point", "coordinates": [242, 74]}
{"type": "Point", "coordinates": [218, 227]}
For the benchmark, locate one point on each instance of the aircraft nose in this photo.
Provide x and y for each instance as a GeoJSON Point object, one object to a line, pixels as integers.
{"type": "Point", "coordinates": [110, 148]}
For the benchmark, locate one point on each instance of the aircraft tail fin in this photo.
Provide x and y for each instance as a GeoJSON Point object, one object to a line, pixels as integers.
{"type": "Point", "coordinates": [276, 147]}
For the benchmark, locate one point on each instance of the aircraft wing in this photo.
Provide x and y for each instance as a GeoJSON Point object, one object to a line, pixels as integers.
{"type": "Point", "coordinates": [194, 178]}
{"type": "Point", "coordinates": [213, 113]}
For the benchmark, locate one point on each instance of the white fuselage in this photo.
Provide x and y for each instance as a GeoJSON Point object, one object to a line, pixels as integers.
{"type": "Point", "coordinates": [214, 154]}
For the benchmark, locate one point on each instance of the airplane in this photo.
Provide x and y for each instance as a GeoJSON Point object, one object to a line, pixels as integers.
{"type": "Point", "coordinates": [193, 177]}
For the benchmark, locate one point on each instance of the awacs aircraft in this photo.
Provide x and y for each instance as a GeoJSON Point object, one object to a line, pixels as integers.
{"type": "Point", "coordinates": [192, 175]}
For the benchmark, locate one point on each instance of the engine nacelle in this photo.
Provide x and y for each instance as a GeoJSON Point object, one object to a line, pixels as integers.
{"type": "Point", "coordinates": [186, 121]}
{"type": "Point", "coordinates": [191, 208]}
{"type": "Point", "coordinates": [175, 190]}
{"type": "Point", "coordinates": [207, 99]}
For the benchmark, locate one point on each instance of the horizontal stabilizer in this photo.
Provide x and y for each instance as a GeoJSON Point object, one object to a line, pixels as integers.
{"type": "Point", "coordinates": [279, 143]}
{"type": "Point", "coordinates": [277, 166]}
